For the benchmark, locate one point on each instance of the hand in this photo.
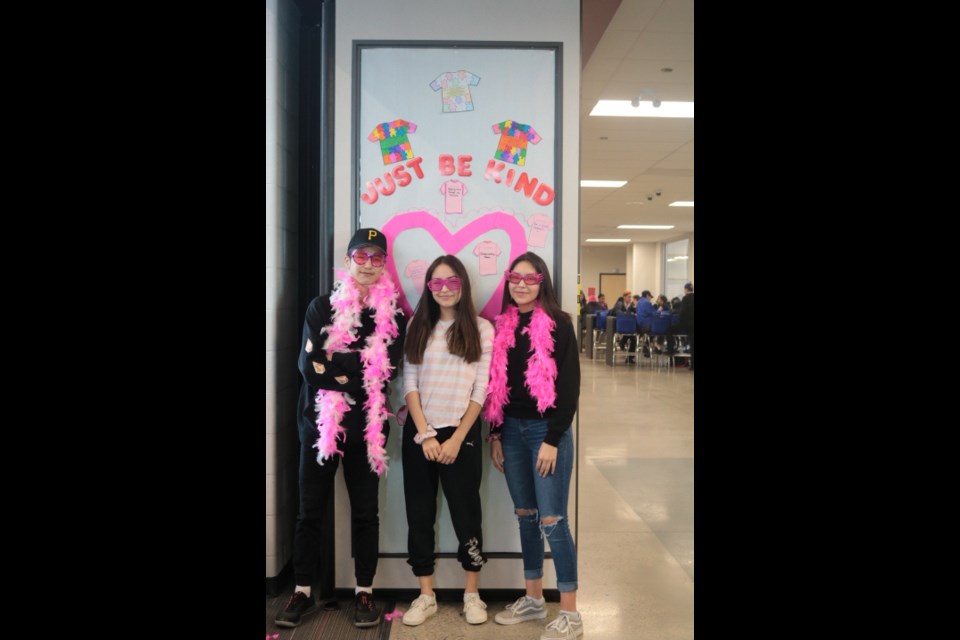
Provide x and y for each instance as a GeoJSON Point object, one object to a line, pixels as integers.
{"type": "Point", "coordinates": [546, 460]}
{"type": "Point", "coordinates": [496, 454]}
{"type": "Point", "coordinates": [449, 450]}
{"type": "Point", "coordinates": [431, 449]}
{"type": "Point", "coordinates": [342, 379]}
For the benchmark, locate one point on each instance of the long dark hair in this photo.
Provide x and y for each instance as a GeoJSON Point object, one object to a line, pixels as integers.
{"type": "Point", "coordinates": [463, 336]}
{"type": "Point", "coordinates": [547, 298]}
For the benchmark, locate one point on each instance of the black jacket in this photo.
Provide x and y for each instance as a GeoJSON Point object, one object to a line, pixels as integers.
{"type": "Point", "coordinates": [685, 324]}
{"type": "Point", "coordinates": [319, 315]}
{"type": "Point", "coordinates": [567, 356]}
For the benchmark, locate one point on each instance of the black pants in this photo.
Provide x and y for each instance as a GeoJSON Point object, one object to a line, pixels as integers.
{"type": "Point", "coordinates": [316, 488]}
{"type": "Point", "coordinates": [461, 486]}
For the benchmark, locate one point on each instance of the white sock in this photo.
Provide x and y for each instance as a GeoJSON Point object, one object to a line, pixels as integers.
{"type": "Point", "coordinates": [359, 589]}
{"type": "Point", "coordinates": [306, 590]}
{"type": "Point", "coordinates": [472, 593]}
{"type": "Point", "coordinates": [538, 601]}
{"type": "Point", "coordinates": [573, 615]}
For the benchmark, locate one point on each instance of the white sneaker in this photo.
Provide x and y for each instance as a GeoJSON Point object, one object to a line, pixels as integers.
{"type": "Point", "coordinates": [563, 628]}
{"type": "Point", "coordinates": [420, 609]}
{"type": "Point", "coordinates": [521, 610]}
{"type": "Point", "coordinates": [474, 608]}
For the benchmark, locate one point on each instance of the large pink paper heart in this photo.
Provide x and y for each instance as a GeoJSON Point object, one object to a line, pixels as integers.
{"type": "Point", "coordinates": [451, 243]}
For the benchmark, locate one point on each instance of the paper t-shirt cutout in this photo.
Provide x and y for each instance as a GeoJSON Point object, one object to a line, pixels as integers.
{"type": "Point", "coordinates": [540, 226]}
{"type": "Point", "coordinates": [415, 270]}
{"type": "Point", "coordinates": [487, 251]}
{"type": "Point", "coordinates": [394, 145]}
{"type": "Point", "coordinates": [454, 190]}
{"type": "Point", "coordinates": [455, 90]}
{"type": "Point", "coordinates": [513, 141]}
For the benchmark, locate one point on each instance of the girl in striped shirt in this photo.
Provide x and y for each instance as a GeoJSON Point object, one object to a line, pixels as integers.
{"type": "Point", "coordinates": [446, 367]}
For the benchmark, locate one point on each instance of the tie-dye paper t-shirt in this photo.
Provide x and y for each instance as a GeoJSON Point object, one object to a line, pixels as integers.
{"type": "Point", "coordinates": [393, 140]}
{"type": "Point", "coordinates": [513, 141]}
{"type": "Point", "coordinates": [454, 87]}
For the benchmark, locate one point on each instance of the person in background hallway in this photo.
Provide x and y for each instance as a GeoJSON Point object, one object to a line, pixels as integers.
{"type": "Point", "coordinates": [645, 312]}
{"type": "Point", "coordinates": [662, 303]}
{"type": "Point", "coordinates": [623, 305]}
{"type": "Point", "coordinates": [532, 396]}
{"type": "Point", "coordinates": [685, 324]}
{"type": "Point", "coordinates": [592, 305]}
{"type": "Point", "coordinates": [602, 301]}
{"type": "Point", "coordinates": [351, 346]}
{"type": "Point", "coordinates": [445, 371]}
{"type": "Point", "coordinates": [632, 308]}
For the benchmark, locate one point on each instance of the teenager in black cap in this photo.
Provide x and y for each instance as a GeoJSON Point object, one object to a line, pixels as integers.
{"type": "Point", "coordinates": [351, 347]}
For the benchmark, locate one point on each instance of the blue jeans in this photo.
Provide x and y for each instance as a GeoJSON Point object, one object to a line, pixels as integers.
{"type": "Point", "coordinates": [545, 497]}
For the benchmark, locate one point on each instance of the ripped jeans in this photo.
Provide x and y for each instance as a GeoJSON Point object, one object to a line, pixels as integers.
{"type": "Point", "coordinates": [545, 497]}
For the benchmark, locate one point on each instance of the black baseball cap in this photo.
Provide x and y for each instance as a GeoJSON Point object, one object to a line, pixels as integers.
{"type": "Point", "coordinates": [370, 236]}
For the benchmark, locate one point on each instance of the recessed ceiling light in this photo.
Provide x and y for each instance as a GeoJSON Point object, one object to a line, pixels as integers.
{"type": "Point", "coordinates": [613, 184]}
{"type": "Point", "coordinates": [644, 109]}
{"type": "Point", "coordinates": [604, 137]}
{"type": "Point", "coordinates": [682, 203]}
{"type": "Point", "coordinates": [645, 226]}
{"type": "Point", "coordinates": [666, 69]}
{"type": "Point", "coordinates": [608, 239]}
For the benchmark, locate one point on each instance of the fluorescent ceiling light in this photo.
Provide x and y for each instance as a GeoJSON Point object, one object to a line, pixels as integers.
{"type": "Point", "coordinates": [681, 203]}
{"type": "Point", "coordinates": [644, 110]}
{"type": "Point", "coordinates": [675, 258]}
{"type": "Point", "coordinates": [645, 226]}
{"type": "Point", "coordinates": [603, 183]}
{"type": "Point", "coordinates": [608, 239]}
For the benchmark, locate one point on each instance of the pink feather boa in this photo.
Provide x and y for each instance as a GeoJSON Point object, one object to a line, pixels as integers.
{"type": "Point", "coordinates": [342, 332]}
{"type": "Point", "coordinates": [541, 373]}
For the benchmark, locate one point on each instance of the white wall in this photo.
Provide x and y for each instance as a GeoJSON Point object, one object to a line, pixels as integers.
{"type": "Point", "coordinates": [282, 324]}
{"type": "Point", "coordinates": [597, 260]}
{"type": "Point", "coordinates": [425, 20]}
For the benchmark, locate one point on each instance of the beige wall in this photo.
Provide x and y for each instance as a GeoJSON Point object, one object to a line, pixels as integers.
{"type": "Point", "coordinates": [647, 269]}
{"type": "Point", "coordinates": [604, 259]}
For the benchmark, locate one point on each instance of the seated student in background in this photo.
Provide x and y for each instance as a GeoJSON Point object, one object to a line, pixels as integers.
{"type": "Point", "coordinates": [623, 306]}
{"type": "Point", "coordinates": [645, 311]}
{"type": "Point", "coordinates": [620, 306]}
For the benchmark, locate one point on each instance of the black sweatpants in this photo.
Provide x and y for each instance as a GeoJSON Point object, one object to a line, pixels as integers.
{"type": "Point", "coordinates": [316, 488]}
{"type": "Point", "coordinates": [461, 485]}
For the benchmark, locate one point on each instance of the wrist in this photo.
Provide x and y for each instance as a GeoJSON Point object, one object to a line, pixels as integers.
{"type": "Point", "coordinates": [423, 435]}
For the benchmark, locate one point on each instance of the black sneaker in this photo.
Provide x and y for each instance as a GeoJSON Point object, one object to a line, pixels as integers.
{"type": "Point", "coordinates": [366, 612]}
{"type": "Point", "coordinates": [299, 606]}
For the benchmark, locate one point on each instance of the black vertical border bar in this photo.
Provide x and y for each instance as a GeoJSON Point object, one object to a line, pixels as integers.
{"type": "Point", "coordinates": [315, 238]}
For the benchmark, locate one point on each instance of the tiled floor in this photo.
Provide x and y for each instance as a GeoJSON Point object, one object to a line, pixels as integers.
{"type": "Point", "coordinates": [635, 533]}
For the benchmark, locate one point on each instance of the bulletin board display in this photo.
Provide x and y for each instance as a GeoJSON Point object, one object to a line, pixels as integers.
{"type": "Point", "coordinates": [457, 151]}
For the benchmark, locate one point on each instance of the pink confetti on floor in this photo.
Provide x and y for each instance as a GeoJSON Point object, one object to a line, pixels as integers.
{"type": "Point", "coordinates": [393, 614]}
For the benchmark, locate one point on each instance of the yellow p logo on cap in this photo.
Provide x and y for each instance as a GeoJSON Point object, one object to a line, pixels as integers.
{"type": "Point", "coordinates": [371, 234]}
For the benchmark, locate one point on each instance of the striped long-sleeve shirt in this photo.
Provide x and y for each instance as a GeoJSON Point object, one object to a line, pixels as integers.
{"type": "Point", "coordinates": [445, 382]}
